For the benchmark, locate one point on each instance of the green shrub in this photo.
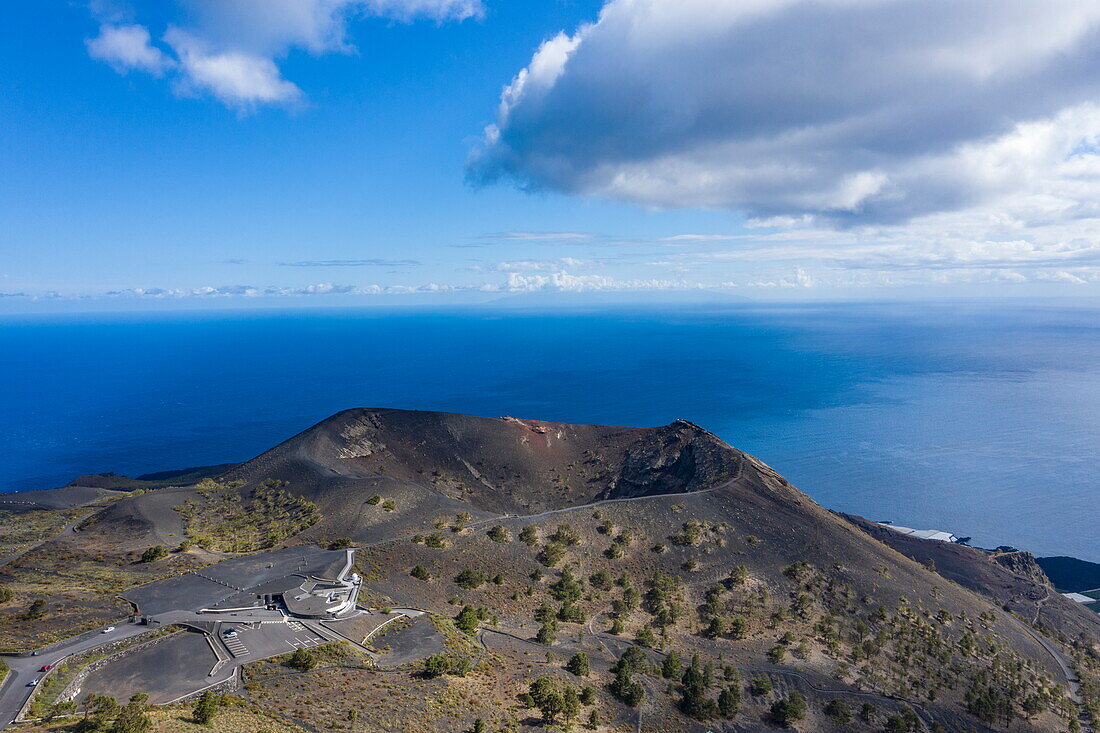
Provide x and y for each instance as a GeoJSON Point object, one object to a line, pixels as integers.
{"type": "Point", "coordinates": [578, 664]}
{"type": "Point", "coordinates": [789, 709]}
{"type": "Point", "coordinates": [437, 665]}
{"type": "Point", "coordinates": [760, 686]}
{"type": "Point", "coordinates": [566, 535]}
{"type": "Point", "coordinates": [551, 554]}
{"type": "Point", "coordinates": [154, 553]}
{"type": "Point", "coordinates": [470, 578]}
{"type": "Point", "coordinates": [467, 620]}
{"type": "Point", "coordinates": [302, 659]}
{"type": "Point", "coordinates": [206, 707]}
{"type": "Point", "coordinates": [838, 711]}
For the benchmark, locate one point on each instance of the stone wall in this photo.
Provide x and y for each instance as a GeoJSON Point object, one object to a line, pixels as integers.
{"type": "Point", "coordinates": [72, 690]}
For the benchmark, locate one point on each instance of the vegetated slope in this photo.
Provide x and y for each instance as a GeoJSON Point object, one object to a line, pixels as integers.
{"type": "Point", "coordinates": [566, 537]}
{"type": "Point", "coordinates": [1014, 579]}
{"type": "Point", "coordinates": [853, 616]}
{"type": "Point", "coordinates": [377, 473]}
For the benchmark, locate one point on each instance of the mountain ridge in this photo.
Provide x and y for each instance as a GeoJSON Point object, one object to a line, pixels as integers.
{"type": "Point", "coordinates": [666, 538]}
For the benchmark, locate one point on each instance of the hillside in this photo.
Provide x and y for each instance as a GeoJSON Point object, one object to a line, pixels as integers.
{"type": "Point", "coordinates": [552, 539]}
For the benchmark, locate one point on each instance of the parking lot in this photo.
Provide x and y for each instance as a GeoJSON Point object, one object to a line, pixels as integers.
{"type": "Point", "coordinates": [260, 641]}
{"type": "Point", "coordinates": [165, 671]}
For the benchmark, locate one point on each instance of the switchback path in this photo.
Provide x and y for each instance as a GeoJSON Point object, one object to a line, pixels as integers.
{"type": "Point", "coordinates": [69, 528]}
{"type": "Point", "coordinates": [745, 669]}
{"type": "Point", "coordinates": [624, 500]}
{"type": "Point", "coordinates": [550, 512]}
{"type": "Point", "coordinates": [1073, 685]}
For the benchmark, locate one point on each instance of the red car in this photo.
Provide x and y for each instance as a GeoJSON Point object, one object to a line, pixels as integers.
{"type": "Point", "coordinates": [46, 668]}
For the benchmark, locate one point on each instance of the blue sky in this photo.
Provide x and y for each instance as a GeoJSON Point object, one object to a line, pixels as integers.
{"type": "Point", "coordinates": [336, 150]}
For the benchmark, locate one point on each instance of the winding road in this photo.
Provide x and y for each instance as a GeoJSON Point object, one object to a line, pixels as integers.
{"type": "Point", "coordinates": [14, 693]}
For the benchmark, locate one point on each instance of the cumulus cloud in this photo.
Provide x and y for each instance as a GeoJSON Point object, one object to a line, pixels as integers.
{"type": "Point", "coordinates": [565, 282]}
{"type": "Point", "coordinates": [239, 80]}
{"type": "Point", "coordinates": [127, 48]}
{"type": "Point", "coordinates": [439, 10]}
{"type": "Point", "coordinates": [230, 49]}
{"type": "Point", "coordinates": [847, 112]}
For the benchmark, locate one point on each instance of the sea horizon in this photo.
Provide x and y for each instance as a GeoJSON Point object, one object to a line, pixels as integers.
{"type": "Point", "coordinates": [933, 414]}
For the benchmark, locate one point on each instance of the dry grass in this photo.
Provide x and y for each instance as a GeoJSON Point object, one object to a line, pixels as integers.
{"type": "Point", "coordinates": [23, 529]}
{"type": "Point", "coordinates": [236, 718]}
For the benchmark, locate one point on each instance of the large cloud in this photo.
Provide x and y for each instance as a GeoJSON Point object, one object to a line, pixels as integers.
{"type": "Point", "coordinates": [230, 49]}
{"type": "Point", "coordinates": [846, 110]}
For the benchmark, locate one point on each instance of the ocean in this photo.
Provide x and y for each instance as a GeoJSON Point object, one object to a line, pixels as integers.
{"type": "Point", "coordinates": [981, 418]}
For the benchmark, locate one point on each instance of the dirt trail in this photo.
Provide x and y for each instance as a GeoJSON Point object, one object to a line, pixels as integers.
{"type": "Point", "coordinates": [69, 528]}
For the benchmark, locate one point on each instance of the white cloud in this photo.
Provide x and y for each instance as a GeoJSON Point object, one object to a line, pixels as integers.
{"type": "Point", "coordinates": [230, 49]}
{"type": "Point", "coordinates": [238, 80]}
{"type": "Point", "coordinates": [1063, 277]}
{"type": "Point", "coordinates": [798, 279]}
{"type": "Point", "coordinates": [565, 282]}
{"type": "Point", "coordinates": [838, 110]}
{"type": "Point", "coordinates": [439, 10]}
{"type": "Point", "coordinates": [127, 48]}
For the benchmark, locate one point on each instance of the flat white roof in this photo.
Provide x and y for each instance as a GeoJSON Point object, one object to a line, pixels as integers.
{"type": "Point", "coordinates": [924, 534]}
{"type": "Point", "coordinates": [1079, 598]}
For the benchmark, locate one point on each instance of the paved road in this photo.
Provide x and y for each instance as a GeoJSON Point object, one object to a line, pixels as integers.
{"type": "Point", "coordinates": [273, 640]}
{"type": "Point", "coordinates": [1073, 685]}
{"type": "Point", "coordinates": [15, 693]}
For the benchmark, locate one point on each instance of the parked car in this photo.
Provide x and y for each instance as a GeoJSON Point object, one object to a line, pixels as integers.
{"type": "Point", "coordinates": [107, 630]}
{"type": "Point", "coordinates": [229, 634]}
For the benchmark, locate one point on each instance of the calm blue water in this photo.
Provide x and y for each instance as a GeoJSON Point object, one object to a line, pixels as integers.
{"type": "Point", "coordinates": [980, 419]}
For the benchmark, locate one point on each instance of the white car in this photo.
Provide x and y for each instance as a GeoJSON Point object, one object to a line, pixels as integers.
{"type": "Point", "coordinates": [107, 630]}
{"type": "Point", "coordinates": [229, 634]}
{"type": "Point", "coordinates": [34, 682]}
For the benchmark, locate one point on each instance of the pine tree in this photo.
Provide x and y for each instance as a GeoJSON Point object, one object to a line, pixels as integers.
{"type": "Point", "coordinates": [670, 668]}
{"type": "Point", "coordinates": [729, 701]}
{"type": "Point", "coordinates": [206, 707]}
{"type": "Point", "coordinates": [578, 664]}
{"type": "Point", "coordinates": [695, 702]}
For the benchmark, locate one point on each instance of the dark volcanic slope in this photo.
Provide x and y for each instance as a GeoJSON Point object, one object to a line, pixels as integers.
{"type": "Point", "coordinates": [1014, 579]}
{"type": "Point", "coordinates": [435, 465]}
{"type": "Point", "coordinates": [499, 465]}
{"type": "Point", "coordinates": [831, 605]}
